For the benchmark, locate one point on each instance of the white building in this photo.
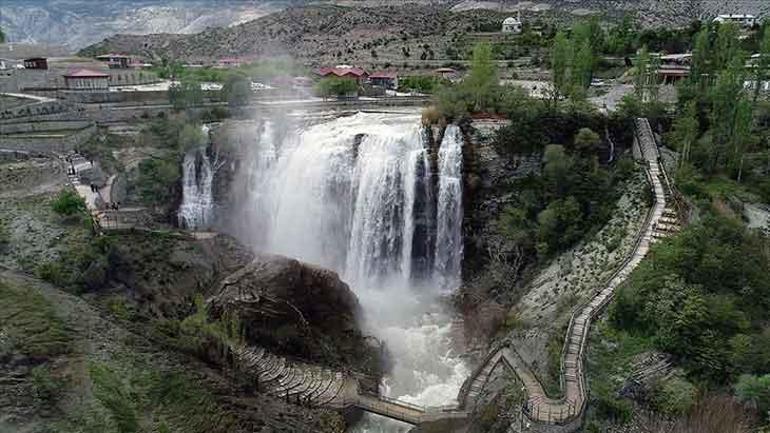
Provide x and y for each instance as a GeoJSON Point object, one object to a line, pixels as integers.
{"type": "Point", "coordinates": [740, 19]}
{"type": "Point", "coordinates": [512, 25]}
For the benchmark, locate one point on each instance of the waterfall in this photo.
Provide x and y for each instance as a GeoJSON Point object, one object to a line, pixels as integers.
{"type": "Point", "coordinates": [197, 197]}
{"type": "Point", "coordinates": [449, 215]}
{"type": "Point", "coordinates": [353, 194]}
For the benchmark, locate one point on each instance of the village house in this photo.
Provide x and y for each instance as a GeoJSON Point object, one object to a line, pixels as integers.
{"type": "Point", "coordinates": [115, 61]}
{"type": "Point", "coordinates": [447, 73]}
{"type": "Point", "coordinates": [512, 25]}
{"type": "Point", "coordinates": [344, 71]}
{"type": "Point", "coordinates": [740, 19]}
{"type": "Point", "coordinates": [36, 63]}
{"type": "Point", "coordinates": [674, 67]}
{"type": "Point", "coordinates": [385, 79]}
{"type": "Point", "coordinates": [86, 79]}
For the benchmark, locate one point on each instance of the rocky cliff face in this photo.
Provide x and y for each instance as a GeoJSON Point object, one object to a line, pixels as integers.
{"type": "Point", "coordinates": [296, 309]}
{"type": "Point", "coordinates": [488, 275]}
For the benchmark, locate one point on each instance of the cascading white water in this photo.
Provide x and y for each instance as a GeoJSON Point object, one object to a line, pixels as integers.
{"type": "Point", "coordinates": [352, 194]}
{"type": "Point", "coordinates": [196, 209]}
{"type": "Point", "coordinates": [449, 215]}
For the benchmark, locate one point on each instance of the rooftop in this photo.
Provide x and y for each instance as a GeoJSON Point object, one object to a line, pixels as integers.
{"type": "Point", "coordinates": [86, 73]}
{"type": "Point", "coordinates": [341, 71]}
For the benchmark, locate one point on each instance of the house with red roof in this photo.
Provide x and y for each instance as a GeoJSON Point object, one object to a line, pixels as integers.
{"type": "Point", "coordinates": [86, 79]}
{"type": "Point", "coordinates": [384, 79]}
{"type": "Point", "coordinates": [343, 71]}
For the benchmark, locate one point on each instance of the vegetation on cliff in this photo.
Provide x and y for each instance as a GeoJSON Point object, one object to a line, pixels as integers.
{"type": "Point", "coordinates": [701, 297]}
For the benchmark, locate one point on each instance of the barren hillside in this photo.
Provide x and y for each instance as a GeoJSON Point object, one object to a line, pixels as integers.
{"type": "Point", "coordinates": [391, 32]}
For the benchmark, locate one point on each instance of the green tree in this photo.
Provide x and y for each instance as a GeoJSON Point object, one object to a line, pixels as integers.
{"type": "Point", "coordinates": [185, 94]}
{"type": "Point", "coordinates": [621, 38]}
{"type": "Point", "coordinates": [586, 140]}
{"type": "Point", "coordinates": [482, 80]}
{"type": "Point", "coordinates": [726, 45]}
{"type": "Point", "coordinates": [762, 66]}
{"type": "Point", "coordinates": [557, 169]}
{"type": "Point", "coordinates": [726, 114]}
{"type": "Point", "coordinates": [191, 137]}
{"type": "Point", "coordinates": [701, 64]}
{"type": "Point", "coordinates": [582, 70]}
{"type": "Point", "coordinates": [685, 131]}
{"type": "Point", "coordinates": [334, 86]}
{"type": "Point", "coordinates": [2, 36]}
{"type": "Point", "coordinates": [158, 178]}
{"type": "Point", "coordinates": [236, 90]}
{"type": "Point", "coordinates": [561, 61]}
{"type": "Point", "coordinates": [590, 31]}
{"type": "Point", "coordinates": [646, 76]}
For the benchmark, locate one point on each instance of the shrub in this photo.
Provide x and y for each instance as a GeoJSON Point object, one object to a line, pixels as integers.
{"type": "Point", "coordinates": [68, 203]}
{"type": "Point", "coordinates": [47, 388]}
{"type": "Point", "coordinates": [755, 390]}
{"type": "Point", "coordinates": [335, 86]}
{"type": "Point", "coordinates": [674, 396]}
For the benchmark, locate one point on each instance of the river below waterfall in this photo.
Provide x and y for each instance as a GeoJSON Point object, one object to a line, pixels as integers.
{"type": "Point", "coordinates": [361, 195]}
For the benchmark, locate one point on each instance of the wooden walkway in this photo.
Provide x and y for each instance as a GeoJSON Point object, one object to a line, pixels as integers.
{"type": "Point", "coordinates": [661, 221]}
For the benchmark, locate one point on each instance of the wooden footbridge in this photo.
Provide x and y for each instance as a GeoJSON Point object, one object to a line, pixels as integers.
{"type": "Point", "coordinates": [305, 384]}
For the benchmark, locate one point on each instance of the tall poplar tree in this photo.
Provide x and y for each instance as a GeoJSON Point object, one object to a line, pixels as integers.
{"type": "Point", "coordinates": [561, 60]}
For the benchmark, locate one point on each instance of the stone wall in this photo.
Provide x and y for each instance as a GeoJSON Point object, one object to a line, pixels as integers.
{"type": "Point", "coordinates": [47, 143]}
{"type": "Point", "coordinates": [35, 109]}
{"type": "Point", "coordinates": [43, 125]}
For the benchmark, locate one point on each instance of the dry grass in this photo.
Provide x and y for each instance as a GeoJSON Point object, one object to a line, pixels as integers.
{"type": "Point", "coordinates": [712, 414]}
{"type": "Point", "coordinates": [431, 115]}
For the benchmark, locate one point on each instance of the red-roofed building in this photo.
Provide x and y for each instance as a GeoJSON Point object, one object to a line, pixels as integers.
{"type": "Point", "coordinates": [386, 79]}
{"type": "Point", "coordinates": [86, 79]}
{"type": "Point", "coordinates": [343, 71]}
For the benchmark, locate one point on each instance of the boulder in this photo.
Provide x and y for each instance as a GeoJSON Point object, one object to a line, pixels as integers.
{"type": "Point", "coordinates": [296, 310]}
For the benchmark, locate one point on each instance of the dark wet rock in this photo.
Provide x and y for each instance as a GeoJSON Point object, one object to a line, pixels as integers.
{"type": "Point", "coordinates": [297, 310]}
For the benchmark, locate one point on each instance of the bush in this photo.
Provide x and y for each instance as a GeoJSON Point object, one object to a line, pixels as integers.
{"type": "Point", "coordinates": [674, 396]}
{"type": "Point", "coordinates": [47, 388]}
{"type": "Point", "coordinates": [68, 203]}
{"type": "Point", "coordinates": [755, 390]}
{"type": "Point", "coordinates": [422, 83]}
{"type": "Point", "coordinates": [702, 296]}
{"type": "Point", "coordinates": [334, 86]}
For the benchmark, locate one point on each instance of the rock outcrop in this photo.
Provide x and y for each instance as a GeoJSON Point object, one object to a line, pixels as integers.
{"type": "Point", "coordinates": [296, 310]}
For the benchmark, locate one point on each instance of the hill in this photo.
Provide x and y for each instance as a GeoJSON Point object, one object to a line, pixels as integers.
{"type": "Point", "coordinates": [390, 32]}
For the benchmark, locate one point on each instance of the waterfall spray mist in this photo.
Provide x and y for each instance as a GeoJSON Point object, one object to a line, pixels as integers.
{"type": "Point", "coordinates": [350, 194]}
